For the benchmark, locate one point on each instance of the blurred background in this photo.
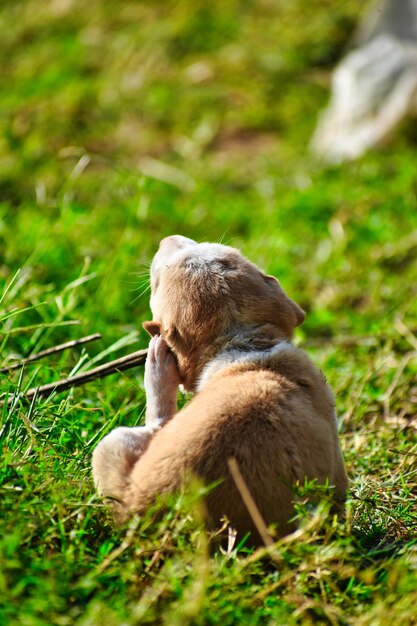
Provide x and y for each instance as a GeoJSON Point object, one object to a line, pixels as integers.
{"type": "Point", "coordinates": [275, 126]}
{"type": "Point", "coordinates": [123, 122]}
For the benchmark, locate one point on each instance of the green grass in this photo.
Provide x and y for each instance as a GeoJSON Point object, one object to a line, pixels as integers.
{"type": "Point", "coordinates": [123, 123]}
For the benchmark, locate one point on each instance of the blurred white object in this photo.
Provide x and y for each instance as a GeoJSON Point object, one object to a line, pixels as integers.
{"type": "Point", "coordinates": [375, 86]}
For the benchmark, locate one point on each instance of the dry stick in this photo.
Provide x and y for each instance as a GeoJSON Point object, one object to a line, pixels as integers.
{"type": "Point", "coordinates": [249, 502]}
{"type": "Point", "coordinates": [54, 350]}
{"type": "Point", "coordinates": [118, 365]}
{"type": "Point", "coordinates": [401, 328]}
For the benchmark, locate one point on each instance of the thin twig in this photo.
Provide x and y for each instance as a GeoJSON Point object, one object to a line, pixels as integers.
{"type": "Point", "coordinates": [118, 365]}
{"type": "Point", "coordinates": [403, 330]}
{"type": "Point", "coordinates": [249, 502]}
{"type": "Point", "coordinates": [54, 350]}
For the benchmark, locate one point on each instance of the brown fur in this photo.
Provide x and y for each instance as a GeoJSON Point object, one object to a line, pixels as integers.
{"type": "Point", "coordinates": [259, 399]}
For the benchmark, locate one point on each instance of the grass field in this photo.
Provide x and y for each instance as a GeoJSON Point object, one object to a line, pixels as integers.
{"type": "Point", "coordinates": [123, 123]}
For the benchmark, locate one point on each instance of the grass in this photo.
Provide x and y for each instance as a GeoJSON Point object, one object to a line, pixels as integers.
{"type": "Point", "coordinates": [125, 123]}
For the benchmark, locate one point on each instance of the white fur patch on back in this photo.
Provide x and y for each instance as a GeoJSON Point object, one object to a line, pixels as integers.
{"type": "Point", "coordinates": [229, 357]}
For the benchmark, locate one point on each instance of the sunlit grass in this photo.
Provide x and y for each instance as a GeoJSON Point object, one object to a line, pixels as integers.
{"type": "Point", "coordinates": [124, 124]}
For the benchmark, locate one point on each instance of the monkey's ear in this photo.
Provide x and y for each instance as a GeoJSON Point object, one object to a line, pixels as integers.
{"type": "Point", "coordinates": [153, 328]}
{"type": "Point", "coordinates": [288, 312]}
